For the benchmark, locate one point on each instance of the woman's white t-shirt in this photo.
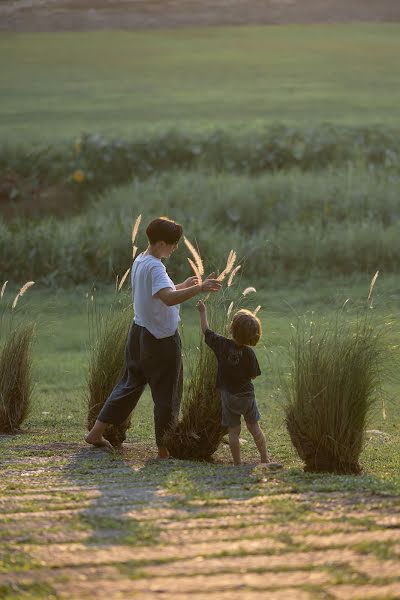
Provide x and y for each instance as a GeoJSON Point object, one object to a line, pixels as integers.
{"type": "Point", "coordinates": [148, 277]}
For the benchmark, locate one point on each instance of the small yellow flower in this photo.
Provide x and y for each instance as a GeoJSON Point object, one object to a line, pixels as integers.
{"type": "Point", "coordinates": [79, 176]}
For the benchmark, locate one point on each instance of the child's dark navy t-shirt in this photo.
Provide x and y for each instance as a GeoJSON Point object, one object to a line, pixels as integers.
{"type": "Point", "coordinates": [237, 365]}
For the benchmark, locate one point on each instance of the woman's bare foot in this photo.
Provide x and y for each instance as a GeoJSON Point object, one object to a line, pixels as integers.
{"type": "Point", "coordinates": [98, 441]}
{"type": "Point", "coordinates": [163, 453]}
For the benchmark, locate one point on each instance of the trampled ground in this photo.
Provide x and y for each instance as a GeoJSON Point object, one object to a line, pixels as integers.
{"type": "Point", "coordinates": [78, 523]}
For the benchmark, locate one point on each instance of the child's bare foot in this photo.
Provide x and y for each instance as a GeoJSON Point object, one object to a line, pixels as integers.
{"type": "Point", "coordinates": [98, 441]}
{"type": "Point", "coordinates": [273, 465]}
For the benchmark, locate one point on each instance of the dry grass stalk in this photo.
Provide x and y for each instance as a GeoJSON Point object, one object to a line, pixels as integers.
{"type": "Point", "coordinates": [249, 290]}
{"type": "Point", "coordinates": [124, 276]}
{"type": "Point", "coordinates": [3, 289]}
{"type": "Point", "coordinates": [195, 269]}
{"type": "Point", "coordinates": [229, 266]}
{"type": "Point", "coordinates": [15, 378]}
{"type": "Point", "coordinates": [14, 304]}
{"type": "Point", "coordinates": [199, 271]}
{"type": "Point", "coordinates": [26, 287]}
{"type": "Point", "coordinates": [135, 229]}
{"type": "Point", "coordinates": [21, 292]}
{"type": "Point", "coordinates": [257, 309]}
{"type": "Point", "coordinates": [371, 287]}
{"type": "Point", "coordinates": [233, 274]}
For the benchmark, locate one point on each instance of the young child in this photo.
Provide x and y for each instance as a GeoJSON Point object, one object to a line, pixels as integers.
{"type": "Point", "coordinates": [237, 366]}
{"type": "Point", "coordinates": [153, 349]}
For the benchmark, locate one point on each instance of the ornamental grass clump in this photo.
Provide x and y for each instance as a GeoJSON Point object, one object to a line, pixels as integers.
{"type": "Point", "coordinates": [108, 333]}
{"type": "Point", "coordinates": [336, 373]}
{"type": "Point", "coordinates": [16, 387]}
{"type": "Point", "coordinates": [199, 432]}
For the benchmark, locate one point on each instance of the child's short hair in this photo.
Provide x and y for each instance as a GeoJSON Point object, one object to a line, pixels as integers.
{"type": "Point", "coordinates": [246, 328]}
{"type": "Point", "coordinates": [164, 230]}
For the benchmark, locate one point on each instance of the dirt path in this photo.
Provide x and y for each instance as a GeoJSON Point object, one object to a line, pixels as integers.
{"type": "Point", "coordinates": [78, 523]}
{"type": "Point", "coordinates": [55, 15]}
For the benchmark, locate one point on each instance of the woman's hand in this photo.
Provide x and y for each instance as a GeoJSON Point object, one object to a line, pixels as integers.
{"type": "Point", "coordinates": [210, 284]}
{"type": "Point", "coordinates": [190, 281]}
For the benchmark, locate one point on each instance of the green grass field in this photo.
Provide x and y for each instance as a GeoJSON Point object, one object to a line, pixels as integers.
{"type": "Point", "coordinates": [58, 85]}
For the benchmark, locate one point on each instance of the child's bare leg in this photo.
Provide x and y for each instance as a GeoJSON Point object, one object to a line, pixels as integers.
{"type": "Point", "coordinates": [234, 444]}
{"type": "Point", "coordinates": [259, 439]}
{"type": "Point", "coordinates": [95, 435]}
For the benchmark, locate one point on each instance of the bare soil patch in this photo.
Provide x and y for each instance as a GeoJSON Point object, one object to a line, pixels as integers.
{"type": "Point", "coordinates": [75, 15]}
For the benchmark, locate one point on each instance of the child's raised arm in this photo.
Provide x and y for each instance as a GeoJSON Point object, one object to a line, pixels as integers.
{"type": "Point", "coordinates": [201, 307]}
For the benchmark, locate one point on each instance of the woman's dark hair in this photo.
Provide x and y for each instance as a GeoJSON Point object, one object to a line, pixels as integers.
{"type": "Point", "coordinates": [164, 230]}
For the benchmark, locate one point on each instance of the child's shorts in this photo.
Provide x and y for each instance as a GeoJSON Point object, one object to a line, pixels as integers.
{"type": "Point", "coordinates": [236, 405]}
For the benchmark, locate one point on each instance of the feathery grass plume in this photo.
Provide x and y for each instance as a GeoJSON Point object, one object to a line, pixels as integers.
{"type": "Point", "coordinates": [337, 368]}
{"type": "Point", "coordinates": [16, 377]}
{"type": "Point", "coordinates": [26, 287]}
{"type": "Point", "coordinates": [257, 309]}
{"type": "Point", "coordinates": [135, 229]}
{"type": "Point", "coordinates": [124, 276]}
{"type": "Point", "coordinates": [107, 337]}
{"type": "Point", "coordinates": [249, 290]}
{"type": "Point", "coordinates": [371, 287]}
{"type": "Point", "coordinates": [233, 274]}
{"type": "Point", "coordinates": [21, 292]}
{"type": "Point", "coordinates": [196, 258]}
{"type": "Point", "coordinates": [194, 269]}
{"type": "Point", "coordinates": [3, 289]}
{"type": "Point", "coordinates": [14, 304]}
{"type": "Point", "coordinates": [228, 267]}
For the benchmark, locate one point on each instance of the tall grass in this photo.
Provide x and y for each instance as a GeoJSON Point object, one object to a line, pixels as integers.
{"type": "Point", "coordinates": [199, 431]}
{"type": "Point", "coordinates": [333, 222]}
{"type": "Point", "coordinates": [337, 370]}
{"type": "Point", "coordinates": [108, 331]}
{"type": "Point", "coordinates": [16, 386]}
